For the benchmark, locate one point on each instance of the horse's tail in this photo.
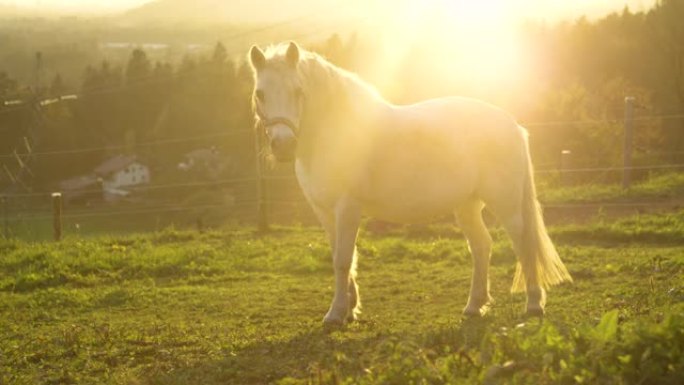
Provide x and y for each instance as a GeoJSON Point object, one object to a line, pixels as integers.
{"type": "Point", "coordinates": [541, 262]}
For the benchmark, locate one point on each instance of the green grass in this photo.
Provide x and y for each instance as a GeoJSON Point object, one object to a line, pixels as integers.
{"type": "Point", "coordinates": [659, 187]}
{"type": "Point", "coordinates": [242, 308]}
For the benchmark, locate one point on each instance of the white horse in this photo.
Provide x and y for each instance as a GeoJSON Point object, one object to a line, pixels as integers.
{"type": "Point", "coordinates": [355, 153]}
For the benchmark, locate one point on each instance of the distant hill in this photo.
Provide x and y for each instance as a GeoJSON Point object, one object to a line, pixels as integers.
{"type": "Point", "coordinates": [53, 9]}
{"type": "Point", "coordinates": [12, 11]}
{"type": "Point", "coordinates": [221, 11]}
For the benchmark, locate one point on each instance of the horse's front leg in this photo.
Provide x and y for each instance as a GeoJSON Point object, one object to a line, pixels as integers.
{"type": "Point", "coordinates": [345, 302]}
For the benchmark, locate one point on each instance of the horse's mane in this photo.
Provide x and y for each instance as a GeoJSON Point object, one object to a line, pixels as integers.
{"type": "Point", "coordinates": [336, 100]}
{"type": "Point", "coordinates": [330, 87]}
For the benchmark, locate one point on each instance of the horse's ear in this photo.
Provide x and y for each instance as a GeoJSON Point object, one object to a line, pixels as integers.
{"type": "Point", "coordinates": [292, 54]}
{"type": "Point", "coordinates": [257, 58]}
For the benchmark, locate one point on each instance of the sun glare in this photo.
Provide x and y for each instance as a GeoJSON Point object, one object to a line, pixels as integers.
{"type": "Point", "coordinates": [482, 42]}
{"type": "Point", "coordinates": [464, 44]}
{"type": "Point", "coordinates": [472, 14]}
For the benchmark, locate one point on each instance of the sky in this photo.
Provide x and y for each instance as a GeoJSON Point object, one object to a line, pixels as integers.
{"type": "Point", "coordinates": [78, 5]}
{"type": "Point", "coordinates": [537, 9]}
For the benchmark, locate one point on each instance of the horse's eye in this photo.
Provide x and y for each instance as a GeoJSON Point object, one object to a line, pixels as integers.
{"type": "Point", "coordinates": [260, 96]}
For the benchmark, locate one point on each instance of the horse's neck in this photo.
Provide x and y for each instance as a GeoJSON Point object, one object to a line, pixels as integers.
{"type": "Point", "coordinates": [339, 100]}
{"type": "Point", "coordinates": [342, 117]}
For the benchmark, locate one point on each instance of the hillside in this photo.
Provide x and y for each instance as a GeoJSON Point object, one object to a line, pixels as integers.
{"type": "Point", "coordinates": [217, 11]}
{"type": "Point", "coordinates": [10, 11]}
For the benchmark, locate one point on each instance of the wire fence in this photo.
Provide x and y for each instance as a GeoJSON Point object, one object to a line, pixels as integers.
{"type": "Point", "coordinates": [228, 134]}
{"type": "Point", "coordinates": [229, 202]}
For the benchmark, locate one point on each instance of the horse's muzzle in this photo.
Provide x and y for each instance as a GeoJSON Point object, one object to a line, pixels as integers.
{"type": "Point", "coordinates": [284, 148]}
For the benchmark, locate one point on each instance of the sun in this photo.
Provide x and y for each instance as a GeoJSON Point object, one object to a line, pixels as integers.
{"type": "Point", "coordinates": [468, 44]}
{"type": "Point", "coordinates": [485, 39]}
{"type": "Point", "coordinates": [475, 14]}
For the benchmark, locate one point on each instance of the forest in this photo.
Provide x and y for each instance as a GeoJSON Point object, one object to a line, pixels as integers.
{"type": "Point", "coordinates": [68, 100]}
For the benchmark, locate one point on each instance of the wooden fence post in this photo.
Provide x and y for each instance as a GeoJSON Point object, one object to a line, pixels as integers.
{"type": "Point", "coordinates": [564, 165]}
{"type": "Point", "coordinates": [627, 148]}
{"type": "Point", "coordinates": [57, 215]}
{"type": "Point", "coordinates": [5, 213]}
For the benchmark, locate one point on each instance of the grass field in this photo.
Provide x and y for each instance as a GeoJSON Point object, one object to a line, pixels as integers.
{"type": "Point", "coordinates": [243, 308]}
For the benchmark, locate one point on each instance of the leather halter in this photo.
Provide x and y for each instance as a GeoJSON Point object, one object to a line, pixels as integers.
{"type": "Point", "coordinates": [264, 123]}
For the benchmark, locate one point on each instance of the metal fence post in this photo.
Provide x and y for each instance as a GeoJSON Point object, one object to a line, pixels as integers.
{"type": "Point", "coordinates": [627, 148]}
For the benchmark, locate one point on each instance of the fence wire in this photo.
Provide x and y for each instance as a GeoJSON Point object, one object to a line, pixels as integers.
{"type": "Point", "coordinates": [30, 215]}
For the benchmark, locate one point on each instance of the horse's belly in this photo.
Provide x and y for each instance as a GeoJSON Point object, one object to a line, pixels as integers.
{"type": "Point", "coordinates": [417, 199]}
{"type": "Point", "coordinates": [407, 212]}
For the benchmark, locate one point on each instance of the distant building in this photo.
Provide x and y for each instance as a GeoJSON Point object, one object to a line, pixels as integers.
{"type": "Point", "coordinates": [206, 163]}
{"type": "Point", "coordinates": [112, 180]}
{"type": "Point", "coordinates": [120, 173]}
{"type": "Point", "coordinates": [81, 188]}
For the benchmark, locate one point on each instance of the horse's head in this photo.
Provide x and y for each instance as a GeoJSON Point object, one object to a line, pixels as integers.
{"type": "Point", "coordinates": [278, 98]}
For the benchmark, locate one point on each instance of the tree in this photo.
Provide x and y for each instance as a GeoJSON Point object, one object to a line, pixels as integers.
{"type": "Point", "coordinates": [220, 54]}
{"type": "Point", "coordinates": [8, 86]}
{"type": "Point", "coordinates": [667, 31]}
{"type": "Point", "coordinates": [139, 67]}
{"type": "Point", "coordinates": [57, 86]}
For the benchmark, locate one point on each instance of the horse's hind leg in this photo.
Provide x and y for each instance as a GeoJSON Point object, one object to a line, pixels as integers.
{"type": "Point", "coordinates": [536, 295]}
{"type": "Point", "coordinates": [469, 217]}
{"type": "Point", "coordinates": [511, 217]}
{"type": "Point", "coordinates": [354, 297]}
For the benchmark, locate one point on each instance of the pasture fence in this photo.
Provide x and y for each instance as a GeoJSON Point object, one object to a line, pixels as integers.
{"type": "Point", "coordinates": [259, 197]}
{"type": "Point", "coordinates": [57, 215]}
{"type": "Point", "coordinates": [255, 201]}
{"type": "Point", "coordinates": [628, 138]}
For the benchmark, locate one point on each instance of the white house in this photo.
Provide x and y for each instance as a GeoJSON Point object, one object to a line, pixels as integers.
{"type": "Point", "coordinates": [120, 173]}
{"type": "Point", "coordinates": [114, 178]}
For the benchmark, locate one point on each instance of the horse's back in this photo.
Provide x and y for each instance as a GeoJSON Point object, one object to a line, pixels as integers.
{"type": "Point", "coordinates": [470, 130]}
{"type": "Point", "coordinates": [464, 117]}
{"type": "Point", "coordinates": [437, 154]}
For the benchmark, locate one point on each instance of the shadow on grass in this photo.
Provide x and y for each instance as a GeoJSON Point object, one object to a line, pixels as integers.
{"type": "Point", "coordinates": [319, 356]}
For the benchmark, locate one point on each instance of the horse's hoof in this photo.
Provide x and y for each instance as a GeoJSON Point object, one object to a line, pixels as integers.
{"type": "Point", "coordinates": [535, 312]}
{"type": "Point", "coordinates": [353, 315]}
{"type": "Point", "coordinates": [330, 325]}
{"type": "Point", "coordinates": [476, 312]}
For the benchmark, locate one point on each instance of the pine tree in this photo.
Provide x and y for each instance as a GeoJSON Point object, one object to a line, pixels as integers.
{"type": "Point", "coordinates": [139, 67]}
{"type": "Point", "coordinates": [57, 87]}
{"type": "Point", "coordinates": [8, 86]}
